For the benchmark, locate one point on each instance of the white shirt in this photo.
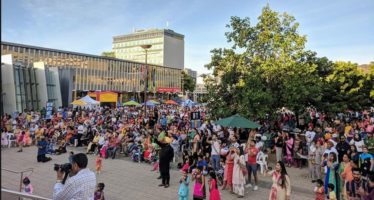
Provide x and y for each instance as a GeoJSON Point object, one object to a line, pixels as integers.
{"type": "Point", "coordinates": [259, 145]}
{"type": "Point", "coordinates": [79, 187]}
{"type": "Point", "coordinates": [215, 148]}
{"type": "Point", "coordinates": [80, 129]}
{"type": "Point", "coordinates": [310, 136]}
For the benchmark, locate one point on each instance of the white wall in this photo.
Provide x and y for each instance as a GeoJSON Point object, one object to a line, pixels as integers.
{"type": "Point", "coordinates": [8, 86]}
{"type": "Point", "coordinates": [41, 80]}
{"type": "Point", "coordinates": [57, 90]}
{"type": "Point", "coordinates": [173, 52]}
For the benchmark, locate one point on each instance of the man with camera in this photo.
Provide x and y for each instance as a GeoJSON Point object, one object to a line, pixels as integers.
{"type": "Point", "coordinates": [82, 181]}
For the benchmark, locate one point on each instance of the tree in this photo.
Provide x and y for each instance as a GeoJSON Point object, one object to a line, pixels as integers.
{"type": "Point", "coordinates": [189, 83]}
{"type": "Point", "coordinates": [110, 54]}
{"type": "Point", "coordinates": [266, 68]}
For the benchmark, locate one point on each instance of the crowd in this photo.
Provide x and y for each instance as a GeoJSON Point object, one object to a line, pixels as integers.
{"type": "Point", "coordinates": [336, 150]}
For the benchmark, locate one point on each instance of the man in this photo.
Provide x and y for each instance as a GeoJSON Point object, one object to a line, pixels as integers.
{"type": "Point", "coordinates": [42, 150]}
{"type": "Point", "coordinates": [366, 162]}
{"type": "Point", "coordinates": [215, 153]}
{"type": "Point", "coordinates": [166, 155]}
{"type": "Point", "coordinates": [252, 164]}
{"type": "Point", "coordinates": [342, 147]}
{"type": "Point", "coordinates": [81, 184]}
{"type": "Point", "coordinates": [368, 195]}
{"type": "Point", "coordinates": [357, 184]}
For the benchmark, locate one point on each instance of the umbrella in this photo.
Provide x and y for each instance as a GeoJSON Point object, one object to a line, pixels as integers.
{"type": "Point", "coordinates": [154, 102]}
{"type": "Point", "coordinates": [79, 103]}
{"type": "Point", "coordinates": [171, 102]}
{"type": "Point", "coordinates": [237, 121]}
{"type": "Point", "coordinates": [149, 103]}
{"type": "Point", "coordinates": [131, 103]}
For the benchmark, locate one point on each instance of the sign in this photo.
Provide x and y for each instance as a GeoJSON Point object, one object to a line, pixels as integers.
{"type": "Point", "coordinates": [195, 116]}
{"type": "Point", "coordinates": [48, 115]}
{"type": "Point", "coordinates": [108, 97]}
{"type": "Point", "coordinates": [171, 90]}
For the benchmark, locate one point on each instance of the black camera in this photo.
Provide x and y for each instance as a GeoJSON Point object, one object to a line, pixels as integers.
{"type": "Point", "coordinates": [63, 167]}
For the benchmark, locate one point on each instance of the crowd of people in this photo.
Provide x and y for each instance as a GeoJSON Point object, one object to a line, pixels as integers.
{"type": "Point", "coordinates": [336, 150]}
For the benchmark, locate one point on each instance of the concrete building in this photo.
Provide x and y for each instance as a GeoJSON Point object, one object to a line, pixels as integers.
{"type": "Point", "coordinates": [33, 75]}
{"type": "Point", "coordinates": [191, 73]}
{"type": "Point", "coordinates": [167, 47]}
{"type": "Point", "coordinates": [200, 90]}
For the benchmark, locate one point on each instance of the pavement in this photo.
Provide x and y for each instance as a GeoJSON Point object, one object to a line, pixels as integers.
{"type": "Point", "coordinates": [125, 179]}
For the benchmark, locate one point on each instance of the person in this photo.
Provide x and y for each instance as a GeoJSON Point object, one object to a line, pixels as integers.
{"type": "Point", "coordinates": [80, 185]}
{"type": "Point", "coordinates": [166, 155]}
{"type": "Point", "coordinates": [332, 173]}
{"type": "Point", "coordinates": [238, 177]}
{"type": "Point", "coordinates": [319, 190]}
{"type": "Point", "coordinates": [184, 190]}
{"type": "Point", "coordinates": [215, 153]}
{"type": "Point", "coordinates": [279, 143]}
{"type": "Point", "coordinates": [332, 195]}
{"type": "Point", "coordinates": [213, 190]}
{"type": "Point", "coordinates": [281, 188]}
{"type": "Point", "coordinates": [42, 150]}
{"type": "Point", "coordinates": [252, 164]}
{"type": "Point", "coordinates": [366, 195]}
{"type": "Point", "coordinates": [99, 164]}
{"type": "Point", "coordinates": [357, 184]}
{"type": "Point", "coordinates": [199, 187]}
{"type": "Point", "coordinates": [227, 180]}
{"type": "Point", "coordinates": [345, 171]}
{"type": "Point", "coordinates": [366, 161]}
{"type": "Point", "coordinates": [99, 193]}
{"type": "Point", "coordinates": [20, 140]}
{"type": "Point", "coordinates": [27, 187]}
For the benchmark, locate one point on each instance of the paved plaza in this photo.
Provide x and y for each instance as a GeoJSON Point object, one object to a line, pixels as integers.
{"type": "Point", "coordinates": [123, 178]}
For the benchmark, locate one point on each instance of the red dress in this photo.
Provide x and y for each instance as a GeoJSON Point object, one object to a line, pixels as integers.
{"type": "Point", "coordinates": [320, 194]}
{"type": "Point", "coordinates": [214, 193]}
{"type": "Point", "coordinates": [229, 170]}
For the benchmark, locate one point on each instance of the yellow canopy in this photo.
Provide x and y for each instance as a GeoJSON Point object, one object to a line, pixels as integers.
{"type": "Point", "coordinates": [78, 103]}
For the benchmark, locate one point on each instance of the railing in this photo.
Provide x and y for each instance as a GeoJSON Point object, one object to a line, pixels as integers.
{"type": "Point", "coordinates": [20, 172]}
{"type": "Point", "coordinates": [21, 195]}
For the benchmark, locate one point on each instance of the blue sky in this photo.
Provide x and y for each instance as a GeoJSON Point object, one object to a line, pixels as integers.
{"type": "Point", "coordinates": [337, 29]}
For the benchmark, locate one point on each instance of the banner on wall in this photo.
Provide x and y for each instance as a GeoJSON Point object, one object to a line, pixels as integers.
{"type": "Point", "coordinates": [107, 97]}
{"type": "Point", "coordinates": [170, 90]}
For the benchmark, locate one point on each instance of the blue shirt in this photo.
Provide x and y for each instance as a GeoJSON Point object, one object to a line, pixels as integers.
{"type": "Point", "coordinates": [202, 163]}
{"type": "Point", "coordinates": [43, 149]}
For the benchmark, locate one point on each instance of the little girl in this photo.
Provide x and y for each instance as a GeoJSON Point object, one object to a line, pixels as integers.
{"type": "Point", "coordinates": [20, 140]}
{"type": "Point", "coordinates": [99, 193]}
{"type": "Point", "coordinates": [99, 164]}
{"type": "Point", "coordinates": [27, 186]}
{"type": "Point", "coordinates": [214, 193]}
{"type": "Point", "coordinates": [199, 187]}
{"type": "Point", "coordinates": [319, 190]}
{"type": "Point", "coordinates": [184, 190]}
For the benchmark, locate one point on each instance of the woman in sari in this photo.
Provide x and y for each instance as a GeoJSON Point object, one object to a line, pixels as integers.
{"type": "Point", "coordinates": [345, 171]}
{"type": "Point", "coordinates": [332, 175]}
{"type": "Point", "coordinates": [289, 150]}
{"type": "Point", "coordinates": [229, 166]}
{"type": "Point", "coordinates": [238, 178]}
{"type": "Point", "coordinates": [281, 188]}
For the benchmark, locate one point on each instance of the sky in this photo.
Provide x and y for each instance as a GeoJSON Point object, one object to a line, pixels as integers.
{"type": "Point", "coordinates": [338, 29]}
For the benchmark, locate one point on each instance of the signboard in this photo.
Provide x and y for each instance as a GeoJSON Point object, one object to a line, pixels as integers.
{"type": "Point", "coordinates": [107, 97]}
{"type": "Point", "coordinates": [171, 90]}
{"type": "Point", "coordinates": [195, 116]}
{"type": "Point", "coordinates": [48, 114]}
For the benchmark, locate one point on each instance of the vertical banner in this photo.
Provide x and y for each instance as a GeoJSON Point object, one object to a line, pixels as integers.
{"type": "Point", "coordinates": [49, 110]}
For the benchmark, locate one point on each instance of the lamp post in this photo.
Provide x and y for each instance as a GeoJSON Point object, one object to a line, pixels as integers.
{"type": "Point", "coordinates": [146, 47]}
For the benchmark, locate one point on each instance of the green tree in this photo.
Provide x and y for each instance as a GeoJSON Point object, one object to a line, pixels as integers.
{"type": "Point", "coordinates": [189, 83]}
{"type": "Point", "coordinates": [266, 67]}
{"type": "Point", "coordinates": [109, 54]}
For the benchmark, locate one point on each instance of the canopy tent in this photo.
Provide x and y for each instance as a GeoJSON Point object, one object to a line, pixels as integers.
{"type": "Point", "coordinates": [89, 100]}
{"type": "Point", "coordinates": [131, 103]}
{"type": "Point", "coordinates": [171, 102]}
{"type": "Point", "coordinates": [78, 102]}
{"type": "Point", "coordinates": [154, 102]}
{"type": "Point", "coordinates": [237, 121]}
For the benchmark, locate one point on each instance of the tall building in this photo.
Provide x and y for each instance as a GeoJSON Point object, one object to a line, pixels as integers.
{"type": "Point", "coordinates": [191, 73]}
{"type": "Point", "coordinates": [32, 76]}
{"type": "Point", "coordinates": [167, 47]}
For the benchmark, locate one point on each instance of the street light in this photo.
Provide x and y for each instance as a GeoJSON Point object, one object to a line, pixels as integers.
{"type": "Point", "coordinates": [146, 47]}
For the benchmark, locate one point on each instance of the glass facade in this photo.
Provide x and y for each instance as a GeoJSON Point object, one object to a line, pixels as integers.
{"type": "Point", "coordinates": [89, 73]}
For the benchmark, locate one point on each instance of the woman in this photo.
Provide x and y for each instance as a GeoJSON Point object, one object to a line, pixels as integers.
{"type": "Point", "coordinates": [279, 143]}
{"type": "Point", "coordinates": [358, 142]}
{"type": "Point", "coordinates": [281, 188]}
{"type": "Point", "coordinates": [289, 150]}
{"type": "Point", "coordinates": [238, 178]}
{"type": "Point", "coordinates": [199, 187]}
{"type": "Point", "coordinates": [93, 144]}
{"type": "Point", "coordinates": [332, 174]}
{"type": "Point", "coordinates": [228, 173]}
{"type": "Point", "coordinates": [345, 171]}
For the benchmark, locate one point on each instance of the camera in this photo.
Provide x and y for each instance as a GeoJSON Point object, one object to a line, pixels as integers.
{"type": "Point", "coordinates": [63, 167]}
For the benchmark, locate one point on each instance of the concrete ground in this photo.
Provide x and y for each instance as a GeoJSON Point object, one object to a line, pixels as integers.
{"type": "Point", "coordinates": [125, 179]}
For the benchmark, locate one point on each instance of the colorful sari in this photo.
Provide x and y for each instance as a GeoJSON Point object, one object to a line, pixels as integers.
{"type": "Point", "coordinates": [332, 177]}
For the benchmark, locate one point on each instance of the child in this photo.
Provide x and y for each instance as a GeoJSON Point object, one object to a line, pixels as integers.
{"type": "Point", "coordinates": [214, 193]}
{"type": "Point", "coordinates": [27, 186]}
{"type": "Point", "coordinates": [199, 187]}
{"type": "Point", "coordinates": [319, 190]}
{"type": "Point", "coordinates": [99, 193]}
{"type": "Point", "coordinates": [184, 190]}
{"type": "Point", "coordinates": [99, 164]}
{"type": "Point", "coordinates": [20, 140]}
{"type": "Point", "coordinates": [332, 195]}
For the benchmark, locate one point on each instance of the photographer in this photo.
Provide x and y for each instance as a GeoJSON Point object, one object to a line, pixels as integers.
{"type": "Point", "coordinates": [82, 181]}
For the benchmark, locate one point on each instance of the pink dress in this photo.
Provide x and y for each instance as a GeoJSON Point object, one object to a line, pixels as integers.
{"type": "Point", "coordinates": [197, 193]}
{"type": "Point", "coordinates": [214, 192]}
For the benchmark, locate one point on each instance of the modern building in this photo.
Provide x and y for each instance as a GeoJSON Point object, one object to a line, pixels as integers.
{"type": "Point", "coordinates": [69, 75]}
{"type": "Point", "coordinates": [200, 90]}
{"type": "Point", "coordinates": [191, 73]}
{"type": "Point", "coordinates": [167, 47]}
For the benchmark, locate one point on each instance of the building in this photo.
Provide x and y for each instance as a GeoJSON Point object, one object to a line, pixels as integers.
{"type": "Point", "coordinates": [200, 90]}
{"type": "Point", "coordinates": [167, 47]}
{"type": "Point", "coordinates": [191, 73]}
{"type": "Point", "coordinates": [69, 75]}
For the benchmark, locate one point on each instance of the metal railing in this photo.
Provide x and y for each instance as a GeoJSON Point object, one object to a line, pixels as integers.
{"type": "Point", "coordinates": [21, 195]}
{"type": "Point", "coordinates": [20, 172]}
